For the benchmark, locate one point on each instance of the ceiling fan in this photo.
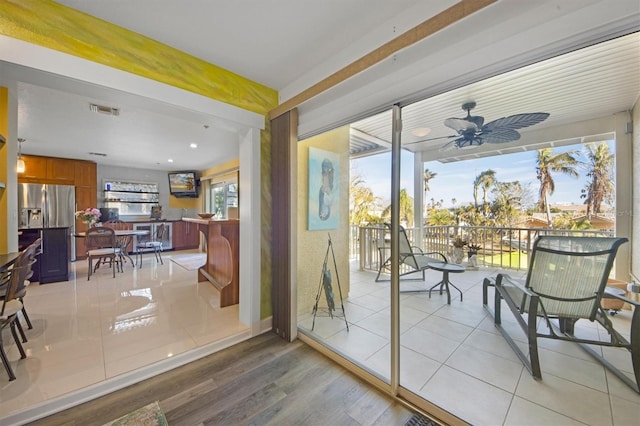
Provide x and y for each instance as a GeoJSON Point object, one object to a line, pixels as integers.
{"type": "Point", "coordinates": [472, 132]}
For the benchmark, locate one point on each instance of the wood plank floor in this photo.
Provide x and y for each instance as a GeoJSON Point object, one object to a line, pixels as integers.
{"type": "Point", "coordinates": [263, 381]}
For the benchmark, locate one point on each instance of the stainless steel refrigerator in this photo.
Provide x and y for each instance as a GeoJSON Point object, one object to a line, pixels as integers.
{"type": "Point", "coordinates": [44, 206]}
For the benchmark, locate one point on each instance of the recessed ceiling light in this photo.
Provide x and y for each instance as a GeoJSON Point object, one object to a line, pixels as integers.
{"type": "Point", "coordinates": [193, 145]}
{"type": "Point", "coordinates": [421, 132]}
{"type": "Point", "coordinates": [170, 160]}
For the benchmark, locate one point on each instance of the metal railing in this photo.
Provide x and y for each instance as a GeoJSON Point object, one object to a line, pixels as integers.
{"type": "Point", "coordinates": [504, 247]}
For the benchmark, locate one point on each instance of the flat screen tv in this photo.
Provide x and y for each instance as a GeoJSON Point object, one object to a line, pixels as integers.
{"type": "Point", "coordinates": [183, 184]}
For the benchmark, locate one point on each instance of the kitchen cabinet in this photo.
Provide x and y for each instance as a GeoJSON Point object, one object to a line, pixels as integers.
{"type": "Point", "coordinates": [185, 235]}
{"type": "Point", "coordinates": [85, 174]}
{"type": "Point", "coordinates": [34, 168]}
{"type": "Point", "coordinates": [61, 170]}
{"type": "Point", "coordinates": [52, 265]}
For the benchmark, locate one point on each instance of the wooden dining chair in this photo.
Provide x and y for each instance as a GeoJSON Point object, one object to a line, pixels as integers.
{"type": "Point", "coordinates": [11, 305]}
{"type": "Point", "coordinates": [102, 246]}
{"type": "Point", "coordinates": [124, 241]}
{"type": "Point", "coordinates": [30, 254]}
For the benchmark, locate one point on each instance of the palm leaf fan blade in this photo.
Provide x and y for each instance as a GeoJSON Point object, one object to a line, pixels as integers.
{"type": "Point", "coordinates": [500, 136]}
{"type": "Point", "coordinates": [517, 121]}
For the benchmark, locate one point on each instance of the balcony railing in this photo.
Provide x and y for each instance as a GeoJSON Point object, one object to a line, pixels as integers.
{"type": "Point", "coordinates": [504, 248]}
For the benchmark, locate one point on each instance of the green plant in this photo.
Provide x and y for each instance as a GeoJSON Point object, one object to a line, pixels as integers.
{"type": "Point", "coordinates": [459, 242]}
{"type": "Point", "coordinates": [474, 247]}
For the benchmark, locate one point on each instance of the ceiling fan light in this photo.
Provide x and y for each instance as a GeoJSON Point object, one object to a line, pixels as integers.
{"type": "Point", "coordinates": [421, 132]}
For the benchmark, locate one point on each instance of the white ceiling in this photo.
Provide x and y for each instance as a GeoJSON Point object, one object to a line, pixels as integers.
{"type": "Point", "coordinates": [255, 39]}
{"type": "Point", "coordinates": [590, 83]}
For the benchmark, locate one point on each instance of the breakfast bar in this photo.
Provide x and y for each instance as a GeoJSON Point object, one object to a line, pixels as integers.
{"type": "Point", "coordinates": [222, 268]}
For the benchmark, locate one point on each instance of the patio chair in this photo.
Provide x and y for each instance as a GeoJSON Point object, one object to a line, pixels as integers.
{"type": "Point", "coordinates": [565, 283]}
{"type": "Point", "coordinates": [413, 257]}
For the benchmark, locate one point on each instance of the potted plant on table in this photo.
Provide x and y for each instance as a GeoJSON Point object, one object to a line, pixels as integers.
{"type": "Point", "coordinates": [458, 249]}
{"type": "Point", "coordinates": [90, 216]}
{"type": "Point", "coordinates": [473, 249]}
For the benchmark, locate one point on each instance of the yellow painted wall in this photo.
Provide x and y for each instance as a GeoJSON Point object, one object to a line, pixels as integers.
{"type": "Point", "coordinates": [4, 128]}
{"type": "Point", "coordinates": [312, 245]}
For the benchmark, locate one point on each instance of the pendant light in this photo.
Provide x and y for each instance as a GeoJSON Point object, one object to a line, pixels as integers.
{"type": "Point", "coordinates": [20, 167]}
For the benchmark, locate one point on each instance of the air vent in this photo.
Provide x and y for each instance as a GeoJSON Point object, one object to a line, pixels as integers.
{"type": "Point", "coordinates": [104, 109]}
{"type": "Point", "coordinates": [99, 154]}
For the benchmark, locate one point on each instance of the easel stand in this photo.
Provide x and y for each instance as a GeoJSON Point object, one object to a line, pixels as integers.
{"type": "Point", "coordinates": [325, 284]}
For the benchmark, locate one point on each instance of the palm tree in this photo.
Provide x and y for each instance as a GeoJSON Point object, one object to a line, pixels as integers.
{"type": "Point", "coordinates": [547, 162]}
{"type": "Point", "coordinates": [600, 171]}
{"type": "Point", "coordinates": [428, 175]}
{"type": "Point", "coordinates": [362, 201]}
{"type": "Point", "coordinates": [484, 180]}
{"type": "Point", "coordinates": [406, 208]}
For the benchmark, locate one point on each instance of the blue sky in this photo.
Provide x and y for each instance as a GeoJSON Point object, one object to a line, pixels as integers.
{"type": "Point", "coordinates": [455, 180]}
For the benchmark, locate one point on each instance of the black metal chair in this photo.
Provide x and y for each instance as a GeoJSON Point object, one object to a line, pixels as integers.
{"type": "Point", "coordinates": [413, 257]}
{"type": "Point", "coordinates": [565, 283]}
{"type": "Point", "coordinates": [154, 243]}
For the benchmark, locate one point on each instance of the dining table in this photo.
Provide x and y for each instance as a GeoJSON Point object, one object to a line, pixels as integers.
{"type": "Point", "coordinates": [124, 237]}
{"type": "Point", "coordinates": [8, 259]}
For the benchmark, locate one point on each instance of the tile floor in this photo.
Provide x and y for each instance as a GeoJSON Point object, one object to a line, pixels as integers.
{"type": "Point", "coordinates": [453, 356]}
{"type": "Point", "coordinates": [86, 332]}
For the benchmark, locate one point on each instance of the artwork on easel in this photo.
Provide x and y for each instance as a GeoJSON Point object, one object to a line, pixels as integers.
{"type": "Point", "coordinates": [324, 189]}
{"type": "Point", "coordinates": [326, 286]}
{"type": "Point", "coordinates": [328, 289]}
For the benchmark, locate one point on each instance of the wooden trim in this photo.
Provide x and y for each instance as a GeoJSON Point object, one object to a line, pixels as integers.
{"type": "Point", "coordinates": [432, 25]}
{"type": "Point", "coordinates": [282, 129]}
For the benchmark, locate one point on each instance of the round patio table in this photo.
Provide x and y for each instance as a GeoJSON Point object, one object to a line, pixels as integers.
{"type": "Point", "coordinates": [446, 269]}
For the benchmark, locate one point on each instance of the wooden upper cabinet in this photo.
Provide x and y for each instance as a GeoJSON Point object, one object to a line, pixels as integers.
{"type": "Point", "coordinates": [34, 167]}
{"type": "Point", "coordinates": [85, 173]}
{"type": "Point", "coordinates": [61, 169]}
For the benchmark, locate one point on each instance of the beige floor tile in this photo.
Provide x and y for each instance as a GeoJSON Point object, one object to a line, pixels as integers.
{"type": "Point", "coordinates": [625, 412]}
{"type": "Point", "coordinates": [370, 302]}
{"type": "Point", "coordinates": [526, 413]}
{"type": "Point", "coordinates": [485, 366]}
{"type": "Point", "coordinates": [450, 329]}
{"type": "Point", "coordinates": [474, 400]}
{"type": "Point", "coordinates": [428, 343]}
{"type": "Point", "coordinates": [357, 343]}
{"type": "Point", "coordinates": [86, 331]}
{"type": "Point", "coordinates": [567, 398]}
{"type": "Point", "coordinates": [587, 373]}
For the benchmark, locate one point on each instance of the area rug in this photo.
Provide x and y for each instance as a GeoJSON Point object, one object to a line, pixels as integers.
{"type": "Point", "coordinates": [190, 262]}
{"type": "Point", "coordinates": [419, 420]}
{"type": "Point", "coordinates": [149, 415]}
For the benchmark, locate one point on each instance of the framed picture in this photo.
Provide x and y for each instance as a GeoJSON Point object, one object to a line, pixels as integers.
{"type": "Point", "coordinates": [324, 189]}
